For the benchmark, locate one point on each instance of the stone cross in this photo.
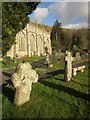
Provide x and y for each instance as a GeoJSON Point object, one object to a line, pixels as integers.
{"type": "Point", "coordinates": [22, 80]}
{"type": "Point", "coordinates": [68, 66]}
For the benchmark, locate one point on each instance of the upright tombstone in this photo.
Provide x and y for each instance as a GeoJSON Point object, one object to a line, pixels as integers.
{"type": "Point", "coordinates": [47, 57]}
{"type": "Point", "coordinates": [8, 61]}
{"type": "Point", "coordinates": [77, 56]}
{"type": "Point", "coordinates": [22, 80]}
{"type": "Point", "coordinates": [68, 66]}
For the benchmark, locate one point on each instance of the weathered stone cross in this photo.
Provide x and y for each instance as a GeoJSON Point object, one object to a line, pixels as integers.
{"type": "Point", "coordinates": [68, 66]}
{"type": "Point", "coordinates": [22, 80]}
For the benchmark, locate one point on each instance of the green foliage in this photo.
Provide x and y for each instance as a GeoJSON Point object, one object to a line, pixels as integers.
{"type": "Point", "coordinates": [71, 39]}
{"type": "Point", "coordinates": [56, 35]}
{"type": "Point", "coordinates": [59, 37]}
{"type": "Point", "coordinates": [76, 39]}
{"type": "Point", "coordinates": [79, 40]}
{"type": "Point", "coordinates": [75, 48]}
{"type": "Point", "coordinates": [14, 19]}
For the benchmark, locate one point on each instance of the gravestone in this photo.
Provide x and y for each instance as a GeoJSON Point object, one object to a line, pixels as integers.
{"type": "Point", "coordinates": [68, 66]}
{"type": "Point", "coordinates": [57, 55]}
{"type": "Point", "coordinates": [17, 57]}
{"type": "Point", "coordinates": [77, 56]}
{"type": "Point", "coordinates": [22, 80]}
{"type": "Point", "coordinates": [8, 61]}
{"type": "Point", "coordinates": [47, 61]}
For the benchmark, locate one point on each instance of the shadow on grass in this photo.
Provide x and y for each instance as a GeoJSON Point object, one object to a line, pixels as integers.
{"type": "Point", "coordinates": [6, 74]}
{"type": "Point", "coordinates": [68, 90]}
{"type": "Point", "coordinates": [38, 63]}
{"type": "Point", "coordinates": [56, 72]}
{"type": "Point", "coordinates": [50, 74]}
{"type": "Point", "coordinates": [7, 92]}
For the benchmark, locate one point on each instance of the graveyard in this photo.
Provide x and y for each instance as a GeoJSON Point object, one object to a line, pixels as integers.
{"type": "Point", "coordinates": [51, 96]}
{"type": "Point", "coordinates": [44, 61]}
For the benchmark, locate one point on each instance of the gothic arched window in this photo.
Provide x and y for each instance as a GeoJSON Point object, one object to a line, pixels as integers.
{"type": "Point", "coordinates": [22, 42]}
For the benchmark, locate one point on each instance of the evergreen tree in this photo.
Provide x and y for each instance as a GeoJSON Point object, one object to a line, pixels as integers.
{"type": "Point", "coordinates": [14, 19]}
{"type": "Point", "coordinates": [57, 36]}
{"type": "Point", "coordinates": [76, 41]}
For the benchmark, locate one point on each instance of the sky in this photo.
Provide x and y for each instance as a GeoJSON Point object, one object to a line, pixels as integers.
{"type": "Point", "coordinates": [71, 13]}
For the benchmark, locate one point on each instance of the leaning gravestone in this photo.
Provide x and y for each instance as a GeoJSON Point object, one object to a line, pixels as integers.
{"type": "Point", "coordinates": [22, 80]}
{"type": "Point", "coordinates": [68, 66]}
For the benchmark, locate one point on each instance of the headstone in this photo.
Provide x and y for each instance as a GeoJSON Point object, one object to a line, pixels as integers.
{"type": "Point", "coordinates": [68, 66]}
{"type": "Point", "coordinates": [47, 57]}
{"type": "Point", "coordinates": [17, 57]}
{"type": "Point", "coordinates": [8, 61]}
{"type": "Point", "coordinates": [57, 55]}
{"type": "Point", "coordinates": [77, 56]}
{"type": "Point", "coordinates": [22, 80]}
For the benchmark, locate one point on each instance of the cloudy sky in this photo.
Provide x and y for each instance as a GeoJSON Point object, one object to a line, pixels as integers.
{"type": "Point", "coordinates": [72, 14]}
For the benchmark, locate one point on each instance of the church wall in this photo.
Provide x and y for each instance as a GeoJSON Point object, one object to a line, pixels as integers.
{"type": "Point", "coordinates": [32, 40]}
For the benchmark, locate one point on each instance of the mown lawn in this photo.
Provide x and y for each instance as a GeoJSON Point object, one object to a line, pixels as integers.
{"type": "Point", "coordinates": [4, 64]}
{"type": "Point", "coordinates": [51, 98]}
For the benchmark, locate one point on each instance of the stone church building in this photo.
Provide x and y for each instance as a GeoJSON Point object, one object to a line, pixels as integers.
{"type": "Point", "coordinates": [32, 40]}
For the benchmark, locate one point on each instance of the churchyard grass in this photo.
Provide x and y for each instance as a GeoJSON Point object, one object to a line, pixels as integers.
{"type": "Point", "coordinates": [35, 58]}
{"type": "Point", "coordinates": [55, 65]}
{"type": "Point", "coordinates": [51, 98]}
{"type": "Point", "coordinates": [3, 64]}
